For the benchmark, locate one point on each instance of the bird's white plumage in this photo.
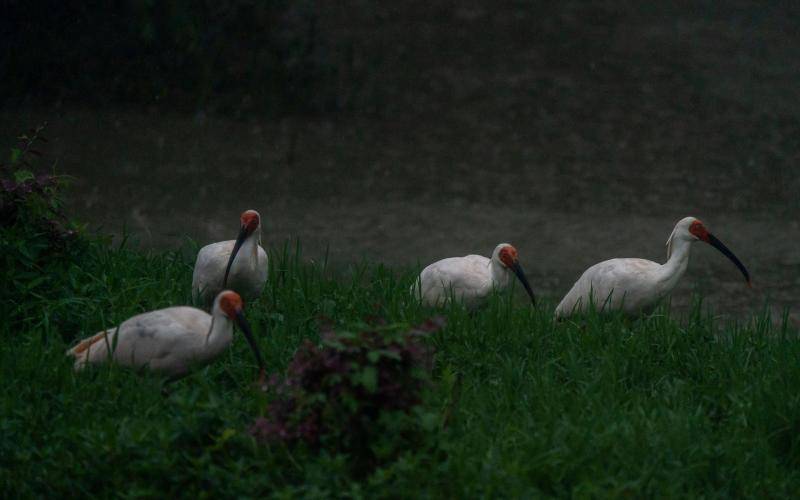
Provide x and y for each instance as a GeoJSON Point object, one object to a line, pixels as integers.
{"type": "Point", "coordinates": [169, 341]}
{"type": "Point", "coordinates": [627, 284]}
{"type": "Point", "coordinates": [469, 279]}
{"type": "Point", "coordinates": [248, 272]}
{"type": "Point", "coordinates": [631, 285]}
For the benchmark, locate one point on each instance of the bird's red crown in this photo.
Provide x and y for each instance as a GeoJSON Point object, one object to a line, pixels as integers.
{"type": "Point", "coordinates": [508, 255]}
{"type": "Point", "coordinates": [231, 303]}
{"type": "Point", "coordinates": [250, 220]}
{"type": "Point", "coordinates": [699, 230]}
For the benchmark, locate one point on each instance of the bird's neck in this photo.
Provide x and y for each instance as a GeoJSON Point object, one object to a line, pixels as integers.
{"type": "Point", "coordinates": [500, 275]}
{"type": "Point", "coordinates": [249, 248]}
{"type": "Point", "coordinates": [220, 332]}
{"type": "Point", "coordinates": [672, 270]}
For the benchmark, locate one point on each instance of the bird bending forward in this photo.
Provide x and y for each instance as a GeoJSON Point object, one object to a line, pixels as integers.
{"type": "Point", "coordinates": [169, 341]}
{"type": "Point", "coordinates": [636, 285]}
{"type": "Point", "coordinates": [470, 278]}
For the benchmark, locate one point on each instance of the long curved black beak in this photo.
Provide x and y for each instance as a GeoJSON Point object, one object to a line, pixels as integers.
{"type": "Point", "coordinates": [524, 279]}
{"type": "Point", "coordinates": [714, 242]}
{"type": "Point", "coordinates": [248, 334]}
{"type": "Point", "coordinates": [236, 246]}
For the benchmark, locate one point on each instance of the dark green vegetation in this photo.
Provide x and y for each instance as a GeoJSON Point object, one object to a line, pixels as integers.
{"type": "Point", "coordinates": [517, 404]}
{"type": "Point", "coordinates": [510, 403]}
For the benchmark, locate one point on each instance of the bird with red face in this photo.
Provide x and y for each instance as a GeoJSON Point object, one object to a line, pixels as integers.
{"type": "Point", "coordinates": [240, 264]}
{"type": "Point", "coordinates": [470, 279]}
{"type": "Point", "coordinates": [170, 341]}
{"type": "Point", "coordinates": [637, 285]}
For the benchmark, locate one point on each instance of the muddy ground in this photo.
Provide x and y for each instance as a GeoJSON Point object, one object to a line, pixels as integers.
{"type": "Point", "coordinates": [577, 133]}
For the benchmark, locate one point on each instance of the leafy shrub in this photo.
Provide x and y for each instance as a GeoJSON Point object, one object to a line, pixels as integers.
{"type": "Point", "coordinates": [36, 238]}
{"type": "Point", "coordinates": [57, 278]}
{"type": "Point", "coordinates": [30, 199]}
{"type": "Point", "coordinates": [33, 226]}
{"type": "Point", "coordinates": [355, 394]}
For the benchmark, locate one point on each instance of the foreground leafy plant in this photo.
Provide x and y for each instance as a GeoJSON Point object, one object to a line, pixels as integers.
{"type": "Point", "coordinates": [355, 393]}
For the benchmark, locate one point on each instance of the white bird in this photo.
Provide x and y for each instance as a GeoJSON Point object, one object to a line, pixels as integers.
{"type": "Point", "coordinates": [636, 285]}
{"type": "Point", "coordinates": [169, 341]}
{"type": "Point", "coordinates": [470, 278]}
{"type": "Point", "coordinates": [240, 264]}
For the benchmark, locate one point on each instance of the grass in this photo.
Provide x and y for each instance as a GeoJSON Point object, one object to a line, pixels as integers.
{"type": "Point", "coordinates": [603, 407]}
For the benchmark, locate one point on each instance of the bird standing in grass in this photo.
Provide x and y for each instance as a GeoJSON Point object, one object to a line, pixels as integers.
{"type": "Point", "coordinates": [239, 265]}
{"type": "Point", "coordinates": [636, 285]}
{"type": "Point", "coordinates": [170, 341]}
{"type": "Point", "coordinates": [470, 278]}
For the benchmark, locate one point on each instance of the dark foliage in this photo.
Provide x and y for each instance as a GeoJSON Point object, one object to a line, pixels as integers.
{"type": "Point", "coordinates": [29, 198]}
{"type": "Point", "coordinates": [37, 241]}
{"type": "Point", "coordinates": [354, 394]}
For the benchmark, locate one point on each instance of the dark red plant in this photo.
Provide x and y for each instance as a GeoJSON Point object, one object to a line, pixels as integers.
{"type": "Point", "coordinates": [351, 393]}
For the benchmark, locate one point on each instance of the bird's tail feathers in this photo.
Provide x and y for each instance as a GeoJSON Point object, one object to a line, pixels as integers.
{"type": "Point", "coordinates": [81, 351]}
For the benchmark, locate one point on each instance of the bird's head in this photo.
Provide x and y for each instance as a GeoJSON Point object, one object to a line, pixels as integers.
{"type": "Point", "coordinates": [688, 229]}
{"type": "Point", "coordinates": [231, 305]}
{"type": "Point", "coordinates": [698, 230]}
{"type": "Point", "coordinates": [251, 221]}
{"type": "Point", "coordinates": [691, 229]}
{"type": "Point", "coordinates": [507, 256]}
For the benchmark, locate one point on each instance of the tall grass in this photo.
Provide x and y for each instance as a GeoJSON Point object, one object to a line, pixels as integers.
{"type": "Point", "coordinates": [524, 406]}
